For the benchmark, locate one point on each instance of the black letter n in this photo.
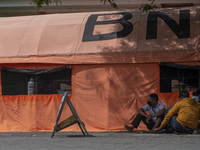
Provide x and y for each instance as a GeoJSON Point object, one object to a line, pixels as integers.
{"type": "Point", "coordinates": [182, 30]}
{"type": "Point", "coordinates": [92, 21]}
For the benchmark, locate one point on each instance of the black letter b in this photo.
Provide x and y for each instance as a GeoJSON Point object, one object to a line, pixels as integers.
{"type": "Point", "coordinates": [89, 27]}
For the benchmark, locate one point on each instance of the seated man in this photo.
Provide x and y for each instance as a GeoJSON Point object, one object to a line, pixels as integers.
{"type": "Point", "coordinates": [196, 95]}
{"type": "Point", "coordinates": [156, 114]}
{"type": "Point", "coordinates": [183, 116]}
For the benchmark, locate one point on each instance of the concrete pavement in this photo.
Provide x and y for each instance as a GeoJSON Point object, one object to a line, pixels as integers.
{"type": "Point", "coordinates": [100, 141]}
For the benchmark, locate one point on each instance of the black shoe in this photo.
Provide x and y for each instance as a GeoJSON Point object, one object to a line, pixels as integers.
{"type": "Point", "coordinates": [130, 129]}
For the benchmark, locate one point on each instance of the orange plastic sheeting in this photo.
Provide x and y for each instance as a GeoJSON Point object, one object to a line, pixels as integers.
{"type": "Point", "coordinates": [31, 113]}
{"type": "Point", "coordinates": [108, 96]}
{"type": "Point", "coordinates": [169, 99]}
{"type": "Point", "coordinates": [59, 38]}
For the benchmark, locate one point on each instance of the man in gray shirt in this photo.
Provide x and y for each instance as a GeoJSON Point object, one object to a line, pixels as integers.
{"type": "Point", "coordinates": [155, 117]}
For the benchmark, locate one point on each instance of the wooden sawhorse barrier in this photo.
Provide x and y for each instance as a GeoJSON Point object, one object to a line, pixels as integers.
{"type": "Point", "coordinates": [69, 121]}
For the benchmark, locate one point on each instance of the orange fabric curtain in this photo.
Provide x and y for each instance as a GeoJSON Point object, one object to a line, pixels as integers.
{"type": "Point", "coordinates": [30, 112]}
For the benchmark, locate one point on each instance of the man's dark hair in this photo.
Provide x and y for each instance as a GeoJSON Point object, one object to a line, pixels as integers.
{"type": "Point", "coordinates": [183, 94]}
{"type": "Point", "coordinates": [154, 96]}
{"type": "Point", "coordinates": [196, 92]}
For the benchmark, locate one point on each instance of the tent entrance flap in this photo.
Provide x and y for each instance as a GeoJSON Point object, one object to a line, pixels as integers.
{"type": "Point", "coordinates": [69, 121]}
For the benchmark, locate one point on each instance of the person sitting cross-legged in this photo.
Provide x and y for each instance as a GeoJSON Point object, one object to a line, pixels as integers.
{"type": "Point", "coordinates": [155, 117]}
{"type": "Point", "coordinates": [183, 116]}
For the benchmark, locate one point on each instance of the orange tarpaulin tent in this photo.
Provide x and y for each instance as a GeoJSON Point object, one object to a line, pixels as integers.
{"type": "Point", "coordinates": [115, 60]}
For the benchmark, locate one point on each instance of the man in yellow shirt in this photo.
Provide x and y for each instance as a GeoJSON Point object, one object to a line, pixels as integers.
{"type": "Point", "coordinates": [183, 116]}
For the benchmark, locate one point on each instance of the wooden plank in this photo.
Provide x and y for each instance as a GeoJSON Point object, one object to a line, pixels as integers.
{"type": "Point", "coordinates": [67, 122]}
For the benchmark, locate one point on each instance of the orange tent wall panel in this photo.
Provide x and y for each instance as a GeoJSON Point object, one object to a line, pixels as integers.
{"type": "Point", "coordinates": [30, 112]}
{"type": "Point", "coordinates": [108, 96]}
